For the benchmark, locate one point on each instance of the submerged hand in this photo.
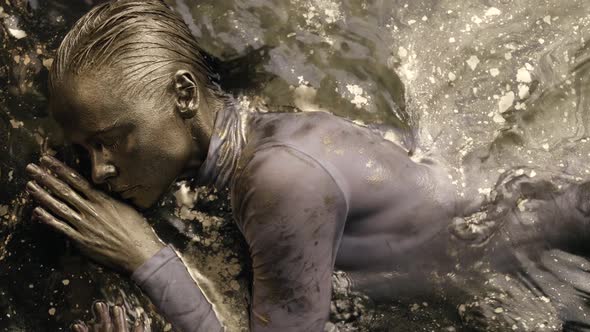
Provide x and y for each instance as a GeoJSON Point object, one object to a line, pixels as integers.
{"type": "Point", "coordinates": [107, 230]}
{"type": "Point", "coordinates": [105, 321]}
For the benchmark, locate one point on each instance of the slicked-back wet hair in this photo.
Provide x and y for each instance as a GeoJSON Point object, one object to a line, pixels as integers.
{"type": "Point", "coordinates": [143, 41]}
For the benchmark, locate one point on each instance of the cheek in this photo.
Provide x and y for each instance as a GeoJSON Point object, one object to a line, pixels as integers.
{"type": "Point", "coordinates": [175, 143]}
{"type": "Point", "coordinates": [154, 158]}
{"type": "Point", "coordinates": [160, 147]}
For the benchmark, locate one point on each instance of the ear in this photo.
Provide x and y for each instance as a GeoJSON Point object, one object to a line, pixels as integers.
{"type": "Point", "coordinates": [187, 93]}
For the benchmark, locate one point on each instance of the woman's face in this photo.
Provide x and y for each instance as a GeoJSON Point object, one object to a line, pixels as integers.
{"type": "Point", "coordinates": [138, 146]}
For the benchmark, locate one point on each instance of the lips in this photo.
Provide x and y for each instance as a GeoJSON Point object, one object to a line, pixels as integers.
{"type": "Point", "coordinates": [125, 192]}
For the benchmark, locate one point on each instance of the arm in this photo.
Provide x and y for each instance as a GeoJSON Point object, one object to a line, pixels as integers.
{"type": "Point", "coordinates": [169, 285]}
{"type": "Point", "coordinates": [116, 235]}
{"type": "Point", "coordinates": [292, 215]}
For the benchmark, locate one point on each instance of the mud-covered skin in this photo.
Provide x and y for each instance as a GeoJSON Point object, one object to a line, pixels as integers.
{"type": "Point", "coordinates": [311, 192]}
{"type": "Point", "coordinates": [394, 206]}
{"type": "Point", "coordinates": [297, 180]}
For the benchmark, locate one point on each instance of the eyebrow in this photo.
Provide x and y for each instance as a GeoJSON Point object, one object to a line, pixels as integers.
{"type": "Point", "coordinates": [113, 126]}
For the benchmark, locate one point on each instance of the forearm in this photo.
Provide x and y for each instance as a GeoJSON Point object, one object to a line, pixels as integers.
{"type": "Point", "coordinates": [169, 285]}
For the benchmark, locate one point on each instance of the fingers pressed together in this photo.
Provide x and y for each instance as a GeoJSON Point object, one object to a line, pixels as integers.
{"type": "Point", "coordinates": [62, 194]}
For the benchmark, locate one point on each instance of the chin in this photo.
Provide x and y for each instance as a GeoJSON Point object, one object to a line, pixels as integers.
{"type": "Point", "coordinates": [148, 197]}
{"type": "Point", "coordinates": [144, 202]}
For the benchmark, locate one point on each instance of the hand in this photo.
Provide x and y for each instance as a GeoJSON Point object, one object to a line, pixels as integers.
{"type": "Point", "coordinates": [115, 321]}
{"type": "Point", "coordinates": [107, 230]}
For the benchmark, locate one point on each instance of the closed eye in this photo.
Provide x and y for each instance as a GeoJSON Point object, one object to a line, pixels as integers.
{"type": "Point", "coordinates": [112, 137]}
{"type": "Point", "coordinates": [112, 143]}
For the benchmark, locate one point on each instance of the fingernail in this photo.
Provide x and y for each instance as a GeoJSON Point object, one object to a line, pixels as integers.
{"type": "Point", "coordinates": [50, 159]}
{"type": "Point", "coordinates": [36, 215]}
{"type": "Point", "coordinates": [50, 163]}
{"type": "Point", "coordinates": [32, 168]}
{"type": "Point", "coordinates": [46, 160]}
{"type": "Point", "coordinates": [78, 328]}
{"type": "Point", "coordinates": [99, 306]}
{"type": "Point", "coordinates": [31, 187]}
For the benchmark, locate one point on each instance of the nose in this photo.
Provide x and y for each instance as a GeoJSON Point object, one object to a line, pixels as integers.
{"type": "Point", "coordinates": [102, 167]}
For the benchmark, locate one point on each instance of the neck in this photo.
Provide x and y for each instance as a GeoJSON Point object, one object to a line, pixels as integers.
{"type": "Point", "coordinates": [225, 146]}
{"type": "Point", "coordinates": [204, 121]}
{"type": "Point", "coordinates": [201, 127]}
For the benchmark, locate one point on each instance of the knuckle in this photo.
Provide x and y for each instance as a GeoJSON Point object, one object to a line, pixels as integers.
{"type": "Point", "coordinates": [85, 186]}
{"type": "Point", "coordinates": [56, 168]}
{"type": "Point", "coordinates": [65, 210]}
{"type": "Point", "coordinates": [62, 188]}
{"type": "Point", "coordinates": [41, 177]}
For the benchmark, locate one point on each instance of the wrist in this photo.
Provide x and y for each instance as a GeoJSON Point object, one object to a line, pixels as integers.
{"type": "Point", "coordinates": [144, 253]}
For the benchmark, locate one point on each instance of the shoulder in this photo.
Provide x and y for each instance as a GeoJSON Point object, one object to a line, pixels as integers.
{"type": "Point", "coordinates": [284, 194]}
{"type": "Point", "coordinates": [289, 127]}
{"type": "Point", "coordinates": [277, 164]}
{"type": "Point", "coordinates": [281, 177]}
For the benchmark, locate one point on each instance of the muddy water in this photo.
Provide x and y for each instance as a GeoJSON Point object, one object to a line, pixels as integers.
{"type": "Point", "coordinates": [504, 78]}
{"type": "Point", "coordinates": [486, 86]}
